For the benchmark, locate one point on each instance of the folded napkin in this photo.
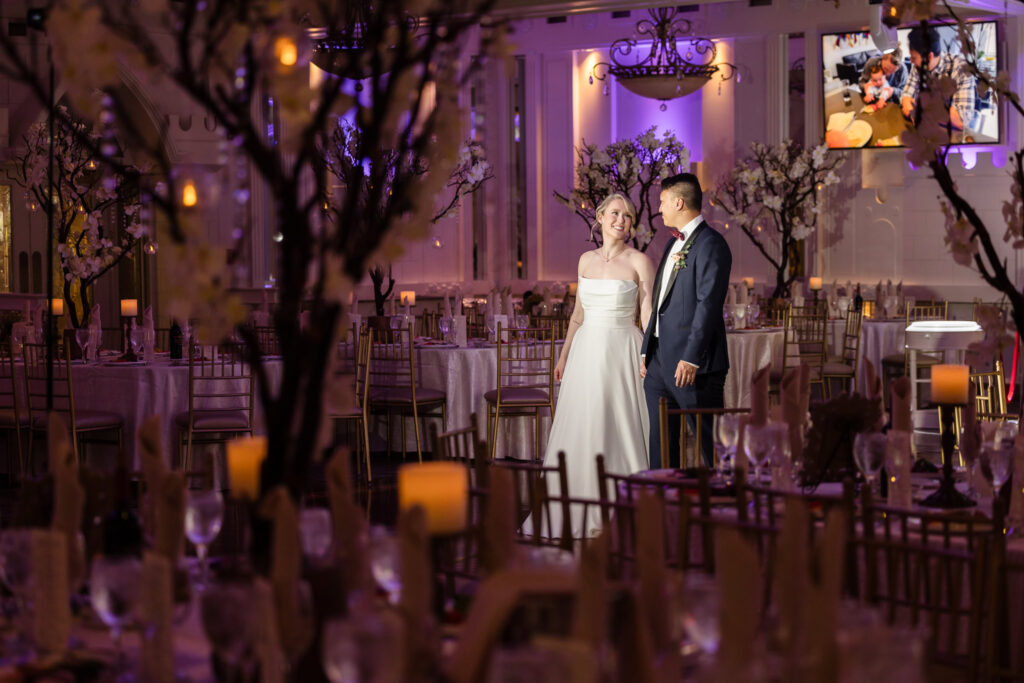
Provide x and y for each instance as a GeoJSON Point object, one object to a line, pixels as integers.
{"type": "Point", "coordinates": [900, 400]}
{"type": "Point", "coordinates": [94, 318]}
{"type": "Point", "coordinates": [408, 308]}
{"type": "Point", "coordinates": [51, 613]}
{"type": "Point", "coordinates": [147, 320]}
{"type": "Point", "coordinates": [268, 640]}
{"type": "Point", "coordinates": [169, 516]}
{"type": "Point", "coordinates": [499, 521]}
{"type": "Point", "coordinates": [650, 568]}
{"type": "Point", "coordinates": [759, 395]}
{"type": "Point", "coordinates": [889, 291]}
{"type": "Point", "coordinates": [392, 306]}
{"type": "Point", "coordinates": [417, 587]}
{"type": "Point", "coordinates": [590, 618]}
{"type": "Point", "coordinates": [156, 609]}
{"type": "Point", "coordinates": [873, 388]}
{"type": "Point", "coordinates": [730, 296]}
{"type": "Point", "coordinates": [792, 561]}
{"type": "Point", "coordinates": [506, 304]}
{"type": "Point", "coordinates": [285, 570]}
{"type": "Point", "coordinates": [739, 597]}
{"type": "Point", "coordinates": [347, 522]}
{"type": "Point", "coordinates": [38, 308]}
{"type": "Point", "coordinates": [879, 294]}
{"type": "Point", "coordinates": [820, 602]}
{"type": "Point", "coordinates": [798, 300]}
{"type": "Point", "coordinates": [899, 288]}
{"type": "Point", "coordinates": [68, 493]}
{"type": "Point", "coordinates": [447, 306]}
{"type": "Point", "coordinates": [457, 310]}
{"type": "Point", "coordinates": [154, 468]}
{"type": "Point", "coordinates": [743, 296]}
{"type": "Point", "coordinates": [794, 414]}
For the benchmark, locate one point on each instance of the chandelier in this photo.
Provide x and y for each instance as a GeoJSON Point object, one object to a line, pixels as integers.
{"type": "Point", "coordinates": [676, 65]}
{"type": "Point", "coordinates": [336, 50]}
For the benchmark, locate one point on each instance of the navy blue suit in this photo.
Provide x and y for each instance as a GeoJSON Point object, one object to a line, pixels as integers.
{"type": "Point", "coordinates": [691, 329]}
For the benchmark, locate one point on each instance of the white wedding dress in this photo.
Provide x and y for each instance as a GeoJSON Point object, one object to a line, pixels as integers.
{"type": "Point", "coordinates": [601, 407]}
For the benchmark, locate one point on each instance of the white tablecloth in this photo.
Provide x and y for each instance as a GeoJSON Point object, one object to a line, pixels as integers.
{"type": "Point", "coordinates": [878, 339]}
{"type": "Point", "coordinates": [749, 351]}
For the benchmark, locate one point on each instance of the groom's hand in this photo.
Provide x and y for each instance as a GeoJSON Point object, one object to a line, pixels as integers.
{"type": "Point", "coordinates": [643, 367]}
{"type": "Point", "coordinates": [686, 374]}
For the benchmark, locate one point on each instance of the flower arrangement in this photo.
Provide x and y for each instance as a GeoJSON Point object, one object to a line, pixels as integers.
{"type": "Point", "coordinates": [98, 215]}
{"type": "Point", "coordinates": [633, 168]}
{"type": "Point", "coordinates": [772, 196]}
{"type": "Point", "coordinates": [470, 172]}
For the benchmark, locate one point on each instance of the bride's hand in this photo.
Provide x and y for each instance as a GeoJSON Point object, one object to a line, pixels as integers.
{"type": "Point", "coordinates": [559, 369]}
{"type": "Point", "coordinates": [643, 367]}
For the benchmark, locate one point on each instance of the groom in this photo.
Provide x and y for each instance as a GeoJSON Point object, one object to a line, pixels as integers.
{"type": "Point", "coordinates": [685, 357]}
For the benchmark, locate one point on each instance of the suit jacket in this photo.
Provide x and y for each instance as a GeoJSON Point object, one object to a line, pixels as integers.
{"type": "Point", "coordinates": [692, 327]}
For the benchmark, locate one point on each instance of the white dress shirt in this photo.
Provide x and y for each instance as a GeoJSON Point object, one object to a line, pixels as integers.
{"type": "Point", "coordinates": [666, 274]}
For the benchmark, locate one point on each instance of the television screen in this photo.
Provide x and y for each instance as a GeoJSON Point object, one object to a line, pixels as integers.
{"type": "Point", "coordinates": [863, 89]}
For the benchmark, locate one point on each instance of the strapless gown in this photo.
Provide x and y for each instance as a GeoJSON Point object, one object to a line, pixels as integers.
{"type": "Point", "coordinates": [601, 407]}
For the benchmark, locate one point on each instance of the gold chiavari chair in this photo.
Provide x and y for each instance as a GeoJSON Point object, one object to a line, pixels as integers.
{"type": "Point", "coordinates": [220, 398]}
{"type": "Point", "coordinates": [1003, 630]}
{"type": "Point", "coordinates": [430, 324]}
{"type": "Point", "coordinates": [266, 337]}
{"type": "Point", "coordinates": [558, 324]}
{"type": "Point", "coordinates": [457, 444]}
{"type": "Point", "coordinates": [805, 341]}
{"type": "Point", "coordinates": [930, 569]}
{"type": "Point", "coordinates": [393, 388]}
{"type": "Point", "coordinates": [80, 421]}
{"type": "Point", "coordinates": [526, 380]}
{"type": "Point", "coordinates": [360, 412]}
{"type": "Point", "coordinates": [844, 367]}
{"type": "Point", "coordinates": [665, 414]}
{"type": "Point", "coordinates": [12, 418]}
{"type": "Point", "coordinates": [541, 490]}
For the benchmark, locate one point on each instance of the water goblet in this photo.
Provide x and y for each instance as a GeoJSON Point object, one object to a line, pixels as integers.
{"type": "Point", "coordinates": [82, 336]}
{"type": "Point", "coordinates": [1005, 434]}
{"type": "Point", "coordinates": [727, 315]}
{"type": "Point", "coordinates": [727, 430]}
{"type": "Point", "coordinates": [340, 651]}
{"type": "Point", "coordinates": [996, 462]}
{"type": "Point", "coordinates": [753, 313]}
{"type": "Point", "coordinates": [226, 611]}
{"type": "Point", "coordinates": [492, 327]}
{"type": "Point", "coordinates": [869, 451]}
{"type": "Point", "coordinates": [739, 312]}
{"type": "Point", "coordinates": [384, 562]}
{"type": "Point", "coordinates": [843, 303]}
{"type": "Point", "coordinates": [758, 444]}
{"type": "Point", "coordinates": [114, 593]}
{"type": "Point", "coordinates": [445, 325]}
{"type": "Point", "coordinates": [780, 453]}
{"type": "Point", "coordinates": [204, 514]}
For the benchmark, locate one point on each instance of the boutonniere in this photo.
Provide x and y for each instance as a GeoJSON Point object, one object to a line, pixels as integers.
{"type": "Point", "coordinates": [680, 256]}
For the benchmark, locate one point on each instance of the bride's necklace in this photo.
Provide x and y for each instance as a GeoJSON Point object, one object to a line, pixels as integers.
{"type": "Point", "coordinates": [607, 259]}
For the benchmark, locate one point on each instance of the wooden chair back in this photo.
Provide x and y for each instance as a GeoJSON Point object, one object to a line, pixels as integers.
{"type": "Point", "coordinates": [526, 359]}
{"type": "Point", "coordinates": [393, 363]}
{"type": "Point", "coordinates": [219, 380]}
{"type": "Point", "coordinates": [664, 412]}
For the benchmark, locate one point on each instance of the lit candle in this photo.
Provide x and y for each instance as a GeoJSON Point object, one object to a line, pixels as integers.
{"type": "Point", "coordinates": [573, 287]}
{"type": "Point", "coordinates": [189, 197]}
{"type": "Point", "coordinates": [748, 282]}
{"type": "Point", "coordinates": [815, 284]}
{"type": "Point", "coordinates": [245, 458]}
{"type": "Point", "coordinates": [949, 384]}
{"type": "Point", "coordinates": [57, 307]}
{"type": "Point", "coordinates": [408, 298]}
{"type": "Point", "coordinates": [441, 489]}
{"type": "Point", "coordinates": [129, 308]}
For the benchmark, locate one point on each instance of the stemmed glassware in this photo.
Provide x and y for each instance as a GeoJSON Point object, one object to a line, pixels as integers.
{"type": "Point", "coordinates": [700, 613]}
{"type": "Point", "coordinates": [114, 588]}
{"type": "Point", "coordinates": [869, 452]}
{"type": "Point", "coordinates": [82, 336]}
{"type": "Point", "coordinates": [758, 445]}
{"type": "Point", "coordinates": [226, 610]}
{"type": "Point", "coordinates": [204, 514]}
{"type": "Point", "coordinates": [727, 430]}
{"type": "Point", "coordinates": [843, 303]}
{"type": "Point", "coordinates": [384, 562]}
{"type": "Point", "coordinates": [445, 325]}
{"type": "Point", "coordinates": [753, 313]}
{"type": "Point", "coordinates": [315, 532]}
{"type": "Point", "coordinates": [739, 313]}
{"type": "Point", "coordinates": [996, 461]}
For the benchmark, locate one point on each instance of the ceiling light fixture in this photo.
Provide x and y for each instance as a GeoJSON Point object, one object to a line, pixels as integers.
{"type": "Point", "coordinates": [676, 65]}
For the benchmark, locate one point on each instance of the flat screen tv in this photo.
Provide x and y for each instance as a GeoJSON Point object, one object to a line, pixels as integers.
{"type": "Point", "coordinates": [863, 110]}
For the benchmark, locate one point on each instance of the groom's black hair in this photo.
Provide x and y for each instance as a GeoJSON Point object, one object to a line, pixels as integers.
{"type": "Point", "coordinates": [686, 186]}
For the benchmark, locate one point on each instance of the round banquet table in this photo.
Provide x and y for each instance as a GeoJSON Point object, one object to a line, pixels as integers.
{"type": "Point", "coordinates": [137, 391]}
{"type": "Point", "coordinates": [878, 339]}
{"type": "Point", "coordinates": [749, 351]}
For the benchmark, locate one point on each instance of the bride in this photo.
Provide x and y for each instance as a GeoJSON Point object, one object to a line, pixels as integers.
{"type": "Point", "coordinates": [601, 406]}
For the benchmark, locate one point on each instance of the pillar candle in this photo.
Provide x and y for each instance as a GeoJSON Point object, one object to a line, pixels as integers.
{"type": "Point", "coordinates": [815, 284]}
{"type": "Point", "coordinates": [748, 282]}
{"type": "Point", "coordinates": [245, 458]}
{"type": "Point", "coordinates": [949, 384]}
{"type": "Point", "coordinates": [57, 307]}
{"type": "Point", "coordinates": [129, 308]}
{"type": "Point", "coordinates": [441, 489]}
{"type": "Point", "coordinates": [408, 298]}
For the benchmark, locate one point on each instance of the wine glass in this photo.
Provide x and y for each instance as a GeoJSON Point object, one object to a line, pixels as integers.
{"type": "Point", "coordinates": [492, 327]}
{"type": "Point", "coordinates": [204, 514]}
{"type": "Point", "coordinates": [727, 316]}
{"type": "Point", "coordinates": [727, 430]}
{"type": "Point", "coordinates": [445, 325]}
{"type": "Point", "coordinates": [82, 336]}
{"type": "Point", "coordinates": [996, 463]}
{"type": "Point", "coordinates": [739, 313]}
{"type": "Point", "coordinates": [780, 453]}
{"type": "Point", "coordinates": [384, 562]}
{"type": "Point", "coordinates": [753, 313]}
{"type": "Point", "coordinates": [869, 451]}
{"type": "Point", "coordinates": [114, 593]}
{"type": "Point", "coordinates": [758, 444]}
{"type": "Point", "coordinates": [226, 611]}
{"type": "Point", "coordinates": [361, 647]}
{"type": "Point", "coordinates": [843, 303]}
{"type": "Point", "coordinates": [340, 651]}
{"type": "Point", "coordinates": [95, 341]}
{"type": "Point", "coordinates": [315, 532]}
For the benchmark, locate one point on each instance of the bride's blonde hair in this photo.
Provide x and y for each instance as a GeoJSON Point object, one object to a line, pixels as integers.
{"type": "Point", "coordinates": [630, 211]}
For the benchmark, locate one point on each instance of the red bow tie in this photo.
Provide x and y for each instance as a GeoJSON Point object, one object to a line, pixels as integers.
{"type": "Point", "coordinates": [678, 235]}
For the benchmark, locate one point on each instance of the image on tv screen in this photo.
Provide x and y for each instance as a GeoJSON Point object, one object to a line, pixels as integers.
{"type": "Point", "coordinates": [869, 96]}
